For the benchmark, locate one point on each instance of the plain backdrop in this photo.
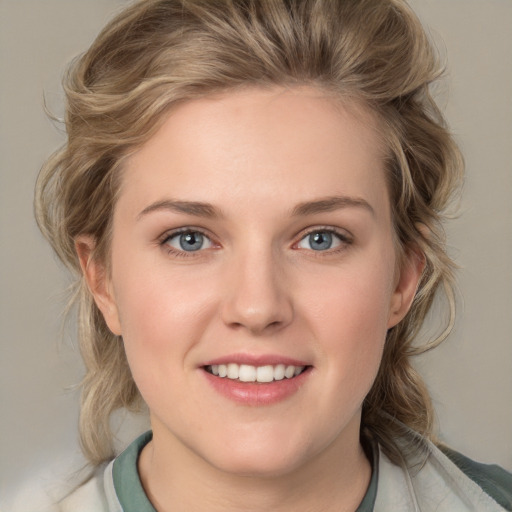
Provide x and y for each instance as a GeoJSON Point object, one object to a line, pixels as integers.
{"type": "Point", "coordinates": [470, 377]}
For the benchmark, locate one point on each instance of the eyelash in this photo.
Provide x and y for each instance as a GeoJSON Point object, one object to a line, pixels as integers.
{"type": "Point", "coordinates": [344, 238]}
{"type": "Point", "coordinates": [345, 241]}
{"type": "Point", "coordinates": [177, 253]}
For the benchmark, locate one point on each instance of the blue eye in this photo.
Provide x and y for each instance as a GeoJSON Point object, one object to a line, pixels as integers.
{"type": "Point", "coordinates": [320, 240]}
{"type": "Point", "coordinates": [189, 241]}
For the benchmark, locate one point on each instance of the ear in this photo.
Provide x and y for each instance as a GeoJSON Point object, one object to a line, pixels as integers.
{"type": "Point", "coordinates": [98, 282]}
{"type": "Point", "coordinates": [406, 285]}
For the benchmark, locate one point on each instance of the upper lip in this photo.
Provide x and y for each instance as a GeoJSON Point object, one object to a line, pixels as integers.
{"type": "Point", "coordinates": [256, 360]}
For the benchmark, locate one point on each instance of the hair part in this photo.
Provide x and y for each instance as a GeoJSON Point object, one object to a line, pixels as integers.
{"type": "Point", "coordinates": [158, 53]}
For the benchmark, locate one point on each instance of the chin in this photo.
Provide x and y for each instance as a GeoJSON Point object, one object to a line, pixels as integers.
{"type": "Point", "coordinates": [258, 457]}
{"type": "Point", "coordinates": [258, 465]}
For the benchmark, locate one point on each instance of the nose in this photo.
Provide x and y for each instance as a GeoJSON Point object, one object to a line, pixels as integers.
{"type": "Point", "coordinates": [257, 297]}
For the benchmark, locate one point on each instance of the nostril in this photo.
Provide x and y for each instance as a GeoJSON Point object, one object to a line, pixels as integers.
{"type": "Point", "coordinates": [256, 305]}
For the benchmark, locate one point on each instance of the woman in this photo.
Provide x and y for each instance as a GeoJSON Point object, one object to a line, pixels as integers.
{"type": "Point", "coordinates": [252, 192]}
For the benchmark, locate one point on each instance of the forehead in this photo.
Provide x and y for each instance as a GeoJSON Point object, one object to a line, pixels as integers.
{"type": "Point", "coordinates": [260, 145]}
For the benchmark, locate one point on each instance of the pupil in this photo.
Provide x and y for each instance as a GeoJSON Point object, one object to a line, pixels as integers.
{"type": "Point", "coordinates": [320, 241]}
{"type": "Point", "coordinates": [191, 241]}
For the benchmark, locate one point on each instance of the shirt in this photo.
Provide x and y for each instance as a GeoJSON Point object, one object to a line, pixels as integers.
{"type": "Point", "coordinates": [440, 480]}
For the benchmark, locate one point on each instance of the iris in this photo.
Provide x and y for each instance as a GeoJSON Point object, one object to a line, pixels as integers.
{"type": "Point", "coordinates": [191, 241]}
{"type": "Point", "coordinates": [320, 240]}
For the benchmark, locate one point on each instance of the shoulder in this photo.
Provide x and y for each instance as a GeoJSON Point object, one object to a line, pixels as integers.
{"type": "Point", "coordinates": [432, 478]}
{"type": "Point", "coordinates": [492, 479]}
{"type": "Point", "coordinates": [96, 494]}
{"type": "Point", "coordinates": [113, 488]}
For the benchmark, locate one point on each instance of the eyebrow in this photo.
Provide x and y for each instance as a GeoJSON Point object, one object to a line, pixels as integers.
{"type": "Point", "coordinates": [199, 209]}
{"type": "Point", "coordinates": [195, 208]}
{"type": "Point", "coordinates": [329, 204]}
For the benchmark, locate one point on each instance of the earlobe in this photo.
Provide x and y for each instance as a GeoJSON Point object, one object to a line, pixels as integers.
{"type": "Point", "coordinates": [98, 282]}
{"type": "Point", "coordinates": [405, 290]}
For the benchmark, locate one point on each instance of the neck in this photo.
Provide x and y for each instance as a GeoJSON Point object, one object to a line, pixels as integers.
{"type": "Point", "coordinates": [177, 479]}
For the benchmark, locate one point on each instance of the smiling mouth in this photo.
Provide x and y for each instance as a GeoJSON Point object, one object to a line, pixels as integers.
{"type": "Point", "coordinates": [249, 373]}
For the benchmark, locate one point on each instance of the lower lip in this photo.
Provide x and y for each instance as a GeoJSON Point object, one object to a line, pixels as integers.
{"type": "Point", "coordinates": [256, 393]}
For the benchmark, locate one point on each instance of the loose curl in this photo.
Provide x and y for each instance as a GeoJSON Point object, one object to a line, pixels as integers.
{"type": "Point", "coordinates": [157, 53]}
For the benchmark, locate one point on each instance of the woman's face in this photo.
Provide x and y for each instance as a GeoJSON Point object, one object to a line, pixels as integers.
{"type": "Point", "coordinates": [253, 236]}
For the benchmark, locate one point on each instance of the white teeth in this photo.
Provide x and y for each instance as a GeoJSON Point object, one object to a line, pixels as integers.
{"type": "Point", "coordinates": [279, 372]}
{"type": "Point", "coordinates": [289, 372]}
{"type": "Point", "coordinates": [248, 373]}
{"type": "Point", "coordinates": [265, 374]}
{"type": "Point", "coordinates": [232, 371]}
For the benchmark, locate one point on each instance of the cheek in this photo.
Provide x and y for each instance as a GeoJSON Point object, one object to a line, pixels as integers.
{"type": "Point", "coordinates": [162, 315]}
{"type": "Point", "coordinates": [349, 316]}
{"type": "Point", "coordinates": [355, 299]}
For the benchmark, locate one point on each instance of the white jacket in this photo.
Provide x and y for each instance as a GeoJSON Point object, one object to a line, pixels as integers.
{"type": "Point", "coordinates": [435, 485]}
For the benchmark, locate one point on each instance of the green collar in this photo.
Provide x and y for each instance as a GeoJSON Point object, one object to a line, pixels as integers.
{"type": "Point", "coordinates": [132, 497]}
{"type": "Point", "coordinates": [127, 484]}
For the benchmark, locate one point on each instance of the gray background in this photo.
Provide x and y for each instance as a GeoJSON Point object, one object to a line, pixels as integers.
{"type": "Point", "coordinates": [470, 377]}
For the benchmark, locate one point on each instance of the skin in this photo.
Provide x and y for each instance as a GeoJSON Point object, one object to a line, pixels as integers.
{"type": "Point", "coordinates": [256, 287]}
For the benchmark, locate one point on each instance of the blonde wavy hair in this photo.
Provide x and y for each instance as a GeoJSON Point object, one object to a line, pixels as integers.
{"type": "Point", "coordinates": [156, 53]}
